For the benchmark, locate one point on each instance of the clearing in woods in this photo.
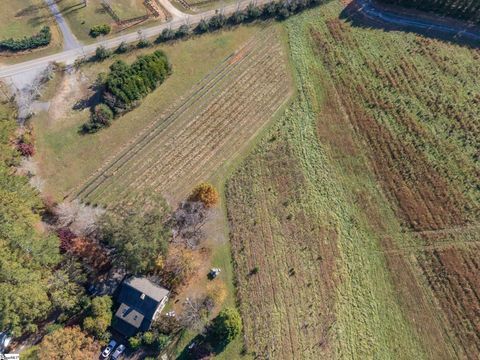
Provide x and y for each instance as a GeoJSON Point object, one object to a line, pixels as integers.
{"type": "Point", "coordinates": [213, 123]}
{"type": "Point", "coordinates": [354, 224]}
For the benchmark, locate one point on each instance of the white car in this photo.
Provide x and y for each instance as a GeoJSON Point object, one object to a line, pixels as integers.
{"type": "Point", "coordinates": [118, 352]}
{"type": "Point", "coordinates": [111, 345]}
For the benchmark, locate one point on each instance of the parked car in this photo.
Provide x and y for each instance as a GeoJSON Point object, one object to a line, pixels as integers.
{"type": "Point", "coordinates": [118, 352]}
{"type": "Point", "coordinates": [108, 350]}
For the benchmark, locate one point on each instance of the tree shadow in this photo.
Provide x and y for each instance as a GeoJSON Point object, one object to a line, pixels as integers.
{"type": "Point", "coordinates": [370, 15]}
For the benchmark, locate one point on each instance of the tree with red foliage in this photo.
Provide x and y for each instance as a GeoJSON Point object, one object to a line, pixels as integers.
{"type": "Point", "coordinates": [26, 149]}
{"type": "Point", "coordinates": [66, 239]}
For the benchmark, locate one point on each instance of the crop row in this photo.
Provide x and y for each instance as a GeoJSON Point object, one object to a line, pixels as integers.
{"type": "Point", "coordinates": [452, 274]}
{"type": "Point", "coordinates": [195, 97]}
{"type": "Point", "coordinates": [391, 109]}
{"type": "Point", "coordinates": [203, 132]}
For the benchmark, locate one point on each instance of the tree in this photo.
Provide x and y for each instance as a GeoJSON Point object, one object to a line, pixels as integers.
{"type": "Point", "coordinates": [195, 314]}
{"type": "Point", "coordinates": [182, 31]}
{"type": "Point", "coordinates": [217, 22]}
{"type": "Point", "coordinates": [226, 326]}
{"type": "Point", "coordinates": [205, 193]}
{"type": "Point", "coordinates": [122, 48]}
{"type": "Point", "coordinates": [139, 236]}
{"type": "Point", "coordinates": [102, 53]}
{"type": "Point", "coordinates": [202, 27]}
{"type": "Point", "coordinates": [68, 344]}
{"type": "Point", "coordinates": [237, 17]}
{"type": "Point", "coordinates": [100, 317]}
{"type": "Point", "coordinates": [177, 269]}
{"type": "Point", "coordinates": [253, 12]}
{"type": "Point", "coordinates": [65, 291]}
{"type": "Point", "coordinates": [102, 115]}
{"type": "Point", "coordinates": [167, 34]}
{"type": "Point", "coordinates": [98, 30]}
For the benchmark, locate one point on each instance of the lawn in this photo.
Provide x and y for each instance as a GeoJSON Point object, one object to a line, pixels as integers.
{"type": "Point", "coordinates": [21, 18]}
{"type": "Point", "coordinates": [346, 218]}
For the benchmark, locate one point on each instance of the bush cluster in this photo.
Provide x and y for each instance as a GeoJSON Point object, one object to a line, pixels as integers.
{"type": "Point", "coordinates": [98, 30]}
{"type": "Point", "coordinates": [42, 38]}
{"type": "Point", "coordinates": [126, 85]}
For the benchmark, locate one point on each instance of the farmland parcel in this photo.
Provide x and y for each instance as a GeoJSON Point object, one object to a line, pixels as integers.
{"type": "Point", "coordinates": [355, 223]}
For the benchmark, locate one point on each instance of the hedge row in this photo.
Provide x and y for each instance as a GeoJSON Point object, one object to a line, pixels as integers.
{"type": "Point", "coordinates": [126, 85]}
{"type": "Point", "coordinates": [43, 38]}
{"type": "Point", "coordinates": [279, 10]}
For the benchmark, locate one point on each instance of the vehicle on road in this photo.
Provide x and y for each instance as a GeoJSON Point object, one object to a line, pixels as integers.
{"type": "Point", "coordinates": [108, 350]}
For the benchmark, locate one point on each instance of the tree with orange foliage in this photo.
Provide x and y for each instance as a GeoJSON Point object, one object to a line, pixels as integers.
{"type": "Point", "coordinates": [206, 193]}
{"type": "Point", "coordinates": [69, 343]}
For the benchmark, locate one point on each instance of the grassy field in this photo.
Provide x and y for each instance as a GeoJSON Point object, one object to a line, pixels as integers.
{"type": "Point", "coordinates": [67, 159]}
{"type": "Point", "coordinates": [81, 19]}
{"type": "Point", "coordinates": [360, 208]}
{"type": "Point", "coordinates": [25, 18]}
{"type": "Point", "coordinates": [21, 18]}
{"type": "Point", "coordinates": [215, 121]}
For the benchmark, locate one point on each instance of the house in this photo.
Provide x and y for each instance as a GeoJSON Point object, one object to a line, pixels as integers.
{"type": "Point", "coordinates": [141, 301]}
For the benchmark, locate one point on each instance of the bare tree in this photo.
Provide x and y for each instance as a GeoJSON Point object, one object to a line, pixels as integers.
{"type": "Point", "coordinates": [194, 315]}
{"type": "Point", "coordinates": [188, 221]}
{"type": "Point", "coordinates": [80, 218]}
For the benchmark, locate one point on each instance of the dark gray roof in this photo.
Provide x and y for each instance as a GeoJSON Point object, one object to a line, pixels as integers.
{"type": "Point", "coordinates": [147, 287]}
{"type": "Point", "coordinates": [139, 299]}
{"type": "Point", "coordinates": [129, 315]}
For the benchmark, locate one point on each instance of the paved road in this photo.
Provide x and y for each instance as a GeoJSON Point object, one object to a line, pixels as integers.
{"type": "Point", "coordinates": [179, 18]}
{"type": "Point", "coordinates": [69, 40]}
{"type": "Point", "coordinates": [69, 56]}
{"type": "Point", "coordinates": [368, 9]}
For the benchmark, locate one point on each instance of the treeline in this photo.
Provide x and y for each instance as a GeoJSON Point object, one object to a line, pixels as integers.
{"type": "Point", "coordinates": [27, 255]}
{"type": "Point", "coordinates": [42, 38]}
{"type": "Point", "coordinates": [125, 85]}
{"type": "Point", "coordinates": [279, 10]}
{"type": "Point", "coordinates": [461, 9]}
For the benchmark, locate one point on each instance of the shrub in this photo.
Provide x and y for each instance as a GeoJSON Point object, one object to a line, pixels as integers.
{"type": "Point", "coordinates": [253, 12]}
{"type": "Point", "coordinates": [127, 84]}
{"type": "Point", "coordinates": [217, 22]}
{"type": "Point", "coordinates": [205, 193]}
{"type": "Point", "coordinates": [43, 38]}
{"type": "Point", "coordinates": [202, 27]}
{"type": "Point", "coordinates": [237, 18]}
{"type": "Point", "coordinates": [227, 325]}
{"type": "Point", "coordinates": [144, 43]}
{"type": "Point", "coordinates": [167, 34]}
{"type": "Point", "coordinates": [122, 48]}
{"type": "Point", "coordinates": [182, 31]}
{"type": "Point", "coordinates": [26, 149]}
{"type": "Point", "coordinates": [102, 53]}
{"type": "Point", "coordinates": [102, 115]}
{"type": "Point", "coordinates": [135, 342]}
{"type": "Point", "coordinates": [148, 338]}
{"type": "Point", "coordinates": [162, 342]}
{"type": "Point", "coordinates": [98, 30]}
